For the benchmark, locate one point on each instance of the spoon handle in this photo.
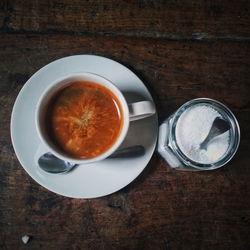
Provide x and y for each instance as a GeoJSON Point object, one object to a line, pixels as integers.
{"type": "Point", "coordinates": [132, 151]}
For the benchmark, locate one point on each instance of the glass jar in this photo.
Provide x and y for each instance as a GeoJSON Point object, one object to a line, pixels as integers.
{"type": "Point", "coordinates": [171, 151]}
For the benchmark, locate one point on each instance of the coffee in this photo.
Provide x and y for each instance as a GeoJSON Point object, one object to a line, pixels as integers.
{"type": "Point", "coordinates": [84, 119]}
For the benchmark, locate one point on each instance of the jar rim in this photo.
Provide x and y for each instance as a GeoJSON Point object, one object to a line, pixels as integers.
{"type": "Point", "coordinates": [234, 137]}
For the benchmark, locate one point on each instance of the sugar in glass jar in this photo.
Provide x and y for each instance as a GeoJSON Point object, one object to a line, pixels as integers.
{"type": "Point", "coordinates": [181, 134]}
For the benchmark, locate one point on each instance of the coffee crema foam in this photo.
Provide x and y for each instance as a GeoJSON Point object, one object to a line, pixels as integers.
{"type": "Point", "coordinates": [84, 119]}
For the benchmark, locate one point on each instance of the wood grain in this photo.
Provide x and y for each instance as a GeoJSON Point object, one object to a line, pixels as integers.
{"type": "Point", "coordinates": [162, 208]}
{"type": "Point", "coordinates": [181, 50]}
{"type": "Point", "coordinates": [186, 19]}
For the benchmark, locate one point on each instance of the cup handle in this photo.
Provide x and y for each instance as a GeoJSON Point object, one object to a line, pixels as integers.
{"type": "Point", "coordinates": [140, 110]}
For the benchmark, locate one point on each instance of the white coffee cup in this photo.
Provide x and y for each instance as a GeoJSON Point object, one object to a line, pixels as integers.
{"type": "Point", "coordinates": [131, 112]}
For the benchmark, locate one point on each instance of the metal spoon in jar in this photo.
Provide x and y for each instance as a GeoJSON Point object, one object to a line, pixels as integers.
{"type": "Point", "coordinates": [219, 127]}
{"type": "Point", "coordinates": [51, 164]}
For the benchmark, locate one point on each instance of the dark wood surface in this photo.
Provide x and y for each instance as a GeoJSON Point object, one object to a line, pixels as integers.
{"type": "Point", "coordinates": [181, 50]}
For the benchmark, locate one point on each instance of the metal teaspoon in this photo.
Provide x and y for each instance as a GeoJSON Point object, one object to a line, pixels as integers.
{"type": "Point", "coordinates": [219, 127]}
{"type": "Point", "coordinates": [51, 164]}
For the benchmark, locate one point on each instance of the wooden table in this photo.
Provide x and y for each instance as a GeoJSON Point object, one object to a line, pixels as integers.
{"type": "Point", "coordinates": [181, 50]}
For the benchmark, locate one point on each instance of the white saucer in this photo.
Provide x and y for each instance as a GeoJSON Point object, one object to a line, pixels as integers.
{"type": "Point", "coordinates": [101, 178]}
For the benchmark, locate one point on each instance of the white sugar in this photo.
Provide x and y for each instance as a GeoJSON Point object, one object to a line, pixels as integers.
{"type": "Point", "coordinates": [25, 239]}
{"type": "Point", "coordinates": [193, 127]}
